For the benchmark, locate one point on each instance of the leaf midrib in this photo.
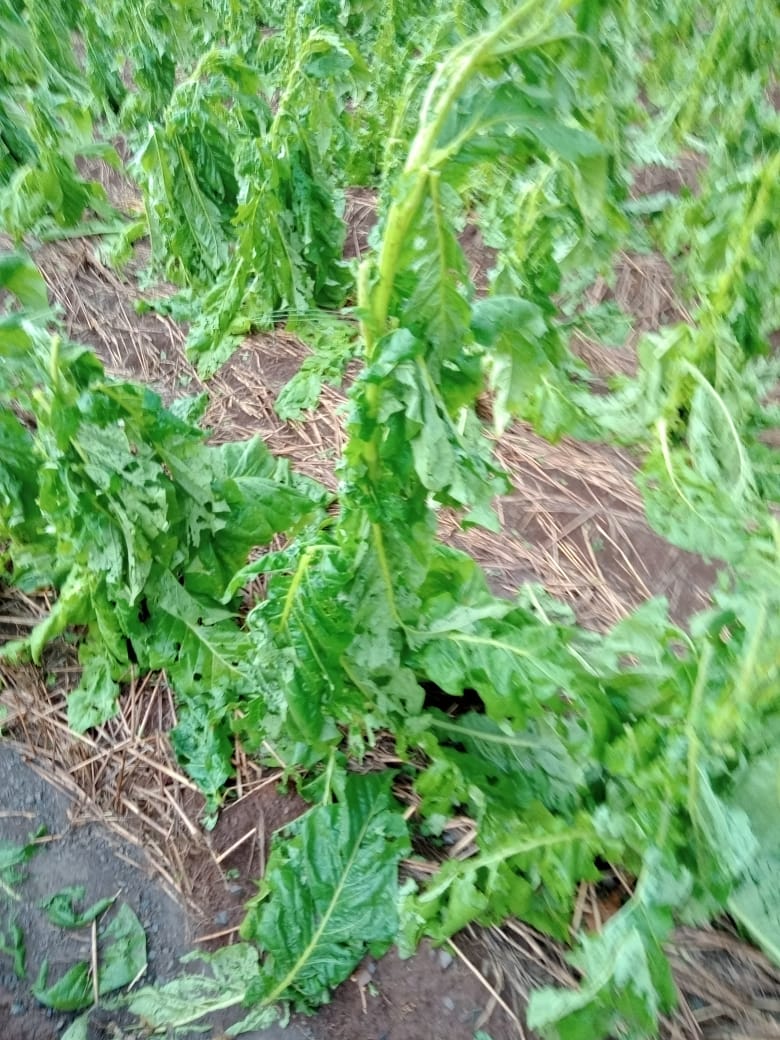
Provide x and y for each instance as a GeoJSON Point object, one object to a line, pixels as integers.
{"type": "Point", "coordinates": [313, 943]}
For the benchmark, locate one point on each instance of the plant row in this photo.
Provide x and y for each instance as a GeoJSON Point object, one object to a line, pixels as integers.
{"type": "Point", "coordinates": [650, 747]}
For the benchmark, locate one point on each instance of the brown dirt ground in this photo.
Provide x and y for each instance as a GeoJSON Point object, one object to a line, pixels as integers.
{"type": "Point", "coordinates": [574, 521]}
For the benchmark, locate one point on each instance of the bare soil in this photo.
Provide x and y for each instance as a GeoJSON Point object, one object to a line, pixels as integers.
{"type": "Point", "coordinates": [89, 855]}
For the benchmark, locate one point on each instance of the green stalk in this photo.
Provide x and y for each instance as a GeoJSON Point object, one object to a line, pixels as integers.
{"type": "Point", "coordinates": [692, 728]}
{"type": "Point", "coordinates": [451, 79]}
{"type": "Point", "coordinates": [375, 288]}
{"type": "Point", "coordinates": [295, 584]}
{"type": "Point", "coordinates": [705, 68]}
{"type": "Point", "coordinates": [743, 248]}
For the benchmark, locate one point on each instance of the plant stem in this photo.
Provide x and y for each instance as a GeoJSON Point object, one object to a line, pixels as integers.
{"type": "Point", "coordinates": [459, 69]}
{"type": "Point", "coordinates": [691, 729]}
{"type": "Point", "coordinates": [743, 248]}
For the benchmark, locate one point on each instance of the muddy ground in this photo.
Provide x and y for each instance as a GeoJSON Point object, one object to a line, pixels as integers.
{"type": "Point", "coordinates": [87, 855]}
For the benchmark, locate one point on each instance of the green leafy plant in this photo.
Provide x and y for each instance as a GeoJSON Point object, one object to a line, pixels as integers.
{"type": "Point", "coordinates": [241, 204]}
{"type": "Point", "coordinates": [567, 749]}
{"type": "Point", "coordinates": [44, 126]}
{"type": "Point", "coordinates": [122, 506]}
{"type": "Point", "coordinates": [701, 403]}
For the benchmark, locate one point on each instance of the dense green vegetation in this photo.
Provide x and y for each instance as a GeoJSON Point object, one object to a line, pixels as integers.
{"type": "Point", "coordinates": [651, 747]}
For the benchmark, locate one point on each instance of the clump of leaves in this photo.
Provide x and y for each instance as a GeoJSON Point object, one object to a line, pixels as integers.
{"type": "Point", "coordinates": [120, 938]}
{"type": "Point", "coordinates": [338, 897]}
{"type": "Point", "coordinates": [45, 125]}
{"type": "Point", "coordinates": [120, 504]}
{"type": "Point", "coordinates": [121, 958]}
{"type": "Point", "coordinates": [241, 204]}
{"type": "Point", "coordinates": [12, 860]}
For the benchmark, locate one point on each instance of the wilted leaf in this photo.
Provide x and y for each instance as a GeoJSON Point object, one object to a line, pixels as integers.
{"type": "Point", "coordinates": [72, 992]}
{"type": "Point", "coordinates": [189, 997]}
{"type": "Point", "coordinates": [121, 950]}
{"type": "Point", "coordinates": [333, 882]}
{"type": "Point", "coordinates": [61, 908]}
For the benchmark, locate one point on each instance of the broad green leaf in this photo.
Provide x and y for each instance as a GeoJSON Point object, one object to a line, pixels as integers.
{"type": "Point", "coordinates": [203, 649]}
{"type": "Point", "coordinates": [727, 830]}
{"type": "Point", "coordinates": [71, 992]}
{"type": "Point", "coordinates": [190, 409]}
{"type": "Point", "coordinates": [202, 744]}
{"type": "Point", "coordinates": [435, 287]}
{"type": "Point", "coordinates": [495, 316]}
{"type": "Point", "coordinates": [756, 905]}
{"type": "Point", "coordinates": [263, 499]}
{"type": "Point", "coordinates": [513, 666]}
{"type": "Point", "coordinates": [331, 881]}
{"type": "Point", "coordinates": [121, 950]}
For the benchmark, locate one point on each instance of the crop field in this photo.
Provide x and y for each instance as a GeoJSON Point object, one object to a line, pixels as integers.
{"type": "Point", "coordinates": [390, 512]}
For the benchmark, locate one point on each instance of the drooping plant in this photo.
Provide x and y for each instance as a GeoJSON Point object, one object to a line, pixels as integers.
{"type": "Point", "coordinates": [45, 126]}
{"type": "Point", "coordinates": [567, 749]}
{"type": "Point", "coordinates": [121, 506]}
